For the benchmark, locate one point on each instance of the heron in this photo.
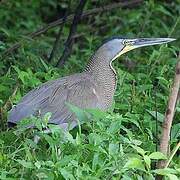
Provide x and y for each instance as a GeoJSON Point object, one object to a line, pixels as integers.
{"type": "Point", "coordinates": [93, 88]}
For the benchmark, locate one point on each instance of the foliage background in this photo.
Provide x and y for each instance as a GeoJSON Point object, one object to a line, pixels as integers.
{"type": "Point", "coordinates": [118, 144]}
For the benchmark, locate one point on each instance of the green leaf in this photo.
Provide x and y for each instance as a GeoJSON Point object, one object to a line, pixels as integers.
{"type": "Point", "coordinates": [134, 163]}
{"type": "Point", "coordinates": [80, 114]}
{"type": "Point", "coordinates": [5, 31]}
{"type": "Point", "coordinates": [139, 150]}
{"type": "Point", "coordinates": [64, 161]}
{"type": "Point", "coordinates": [55, 129]}
{"type": "Point", "coordinates": [49, 139]}
{"type": "Point", "coordinates": [113, 149]}
{"type": "Point", "coordinates": [142, 88]}
{"type": "Point", "coordinates": [46, 118]}
{"type": "Point", "coordinates": [165, 171]}
{"type": "Point", "coordinates": [136, 142]}
{"type": "Point", "coordinates": [157, 155]}
{"type": "Point", "coordinates": [98, 114]}
{"type": "Point", "coordinates": [44, 64]}
{"type": "Point", "coordinates": [147, 160]}
{"type": "Point", "coordinates": [26, 164]}
{"type": "Point", "coordinates": [66, 174]}
{"type": "Point", "coordinates": [41, 175]}
{"type": "Point", "coordinates": [37, 164]}
{"type": "Point", "coordinates": [160, 117]}
{"type": "Point", "coordinates": [164, 11]}
{"type": "Point", "coordinates": [78, 139]}
{"type": "Point", "coordinates": [70, 138]}
{"type": "Point", "coordinates": [114, 127]}
{"type": "Point", "coordinates": [95, 161]}
{"type": "Point", "coordinates": [172, 177]}
{"type": "Point", "coordinates": [175, 131]}
{"type": "Point", "coordinates": [95, 139]}
{"type": "Point", "coordinates": [133, 118]}
{"type": "Point", "coordinates": [1, 141]}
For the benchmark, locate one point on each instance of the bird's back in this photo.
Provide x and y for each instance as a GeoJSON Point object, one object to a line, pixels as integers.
{"type": "Point", "coordinates": [81, 90]}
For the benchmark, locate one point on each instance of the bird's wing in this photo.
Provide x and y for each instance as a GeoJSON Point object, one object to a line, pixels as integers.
{"type": "Point", "coordinates": [80, 90]}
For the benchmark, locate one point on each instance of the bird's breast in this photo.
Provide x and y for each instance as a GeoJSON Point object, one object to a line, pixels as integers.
{"type": "Point", "coordinates": [106, 83]}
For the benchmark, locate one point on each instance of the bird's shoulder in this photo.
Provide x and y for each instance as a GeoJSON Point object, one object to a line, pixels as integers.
{"type": "Point", "coordinates": [49, 89]}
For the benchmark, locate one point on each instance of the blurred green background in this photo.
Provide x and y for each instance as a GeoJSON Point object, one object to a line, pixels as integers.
{"type": "Point", "coordinates": [101, 150]}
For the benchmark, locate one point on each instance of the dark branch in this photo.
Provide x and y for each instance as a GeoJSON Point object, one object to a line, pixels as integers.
{"type": "Point", "coordinates": [69, 41]}
{"type": "Point", "coordinates": [55, 46]}
{"type": "Point", "coordinates": [128, 4]}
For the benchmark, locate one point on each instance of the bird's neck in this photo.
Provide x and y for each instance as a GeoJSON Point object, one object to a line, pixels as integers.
{"type": "Point", "coordinates": [105, 76]}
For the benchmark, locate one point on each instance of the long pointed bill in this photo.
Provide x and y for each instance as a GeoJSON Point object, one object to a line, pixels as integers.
{"type": "Point", "coordinates": [131, 44]}
{"type": "Point", "coordinates": [150, 41]}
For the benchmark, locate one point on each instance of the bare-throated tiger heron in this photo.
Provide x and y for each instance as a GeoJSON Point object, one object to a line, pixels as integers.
{"type": "Point", "coordinates": [93, 88]}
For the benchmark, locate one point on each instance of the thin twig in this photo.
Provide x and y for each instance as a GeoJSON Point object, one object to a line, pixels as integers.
{"type": "Point", "coordinates": [55, 46]}
{"type": "Point", "coordinates": [157, 142]}
{"type": "Point", "coordinates": [127, 4]}
{"type": "Point", "coordinates": [73, 28]}
{"type": "Point", "coordinates": [164, 143]}
{"type": "Point", "coordinates": [172, 154]}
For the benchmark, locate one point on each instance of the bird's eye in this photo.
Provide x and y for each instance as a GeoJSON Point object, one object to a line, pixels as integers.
{"type": "Point", "coordinates": [128, 42]}
{"type": "Point", "coordinates": [124, 42]}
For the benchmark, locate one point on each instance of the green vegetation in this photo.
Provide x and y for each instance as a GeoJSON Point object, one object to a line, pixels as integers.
{"type": "Point", "coordinates": [120, 144]}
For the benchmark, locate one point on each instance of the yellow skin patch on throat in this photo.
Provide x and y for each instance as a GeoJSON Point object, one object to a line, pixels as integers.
{"type": "Point", "coordinates": [124, 50]}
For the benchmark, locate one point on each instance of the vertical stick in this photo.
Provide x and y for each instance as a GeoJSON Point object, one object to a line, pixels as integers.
{"type": "Point", "coordinates": [164, 143]}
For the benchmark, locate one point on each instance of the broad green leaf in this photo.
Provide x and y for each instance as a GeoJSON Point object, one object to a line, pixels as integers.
{"type": "Point", "coordinates": [97, 113]}
{"type": "Point", "coordinates": [165, 171]}
{"type": "Point", "coordinates": [80, 114]}
{"type": "Point", "coordinates": [113, 149]}
{"type": "Point", "coordinates": [175, 131]}
{"type": "Point", "coordinates": [64, 161]}
{"type": "Point", "coordinates": [49, 139]}
{"type": "Point", "coordinates": [139, 150]}
{"type": "Point", "coordinates": [55, 129]}
{"type": "Point", "coordinates": [114, 127]}
{"type": "Point", "coordinates": [134, 163]}
{"type": "Point", "coordinates": [67, 174]}
{"type": "Point", "coordinates": [160, 117]}
{"type": "Point", "coordinates": [157, 155]}
{"type": "Point", "coordinates": [95, 139]}
{"type": "Point", "coordinates": [133, 118]}
{"type": "Point", "coordinates": [172, 177]}
{"type": "Point", "coordinates": [26, 164]}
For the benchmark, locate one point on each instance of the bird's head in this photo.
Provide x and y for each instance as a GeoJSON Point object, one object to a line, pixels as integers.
{"type": "Point", "coordinates": [118, 46]}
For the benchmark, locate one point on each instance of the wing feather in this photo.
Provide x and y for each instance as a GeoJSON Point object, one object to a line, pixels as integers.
{"type": "Point", "coordinates": [80, 90]}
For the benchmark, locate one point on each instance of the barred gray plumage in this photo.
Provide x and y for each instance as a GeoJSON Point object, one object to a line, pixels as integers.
{"type": "Point", "coordinates": [93, 88]}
